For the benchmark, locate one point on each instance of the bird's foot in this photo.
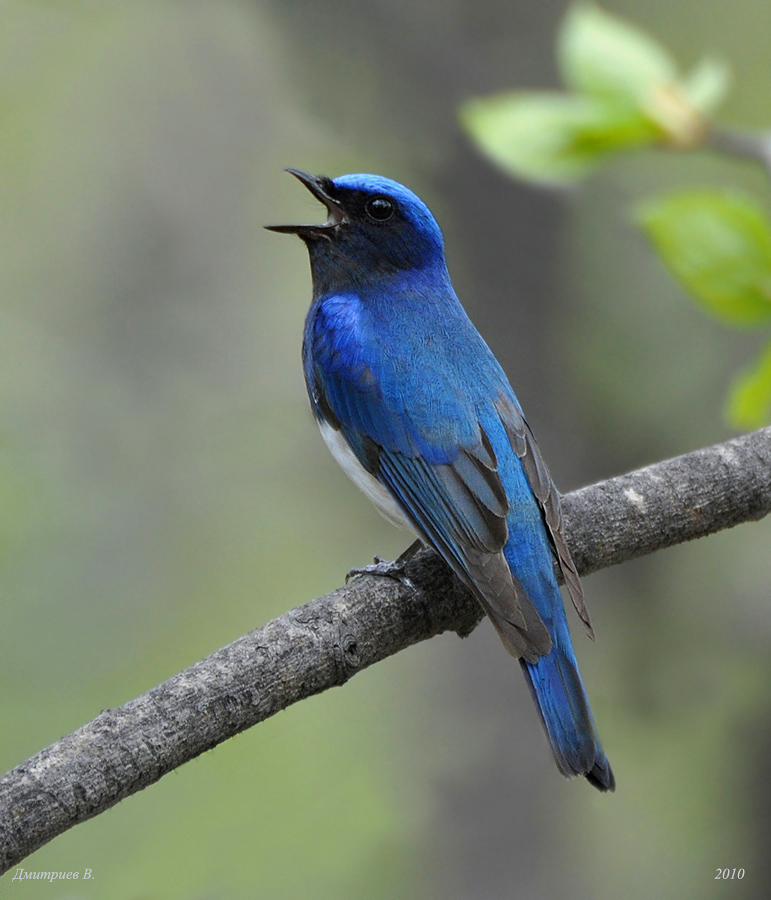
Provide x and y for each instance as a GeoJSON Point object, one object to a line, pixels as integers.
{"type": "Point", "coordinates": [387, 569]}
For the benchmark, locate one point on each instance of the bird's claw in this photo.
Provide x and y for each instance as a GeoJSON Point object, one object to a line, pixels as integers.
{"type": "Point", "coordinates": [385, 569]}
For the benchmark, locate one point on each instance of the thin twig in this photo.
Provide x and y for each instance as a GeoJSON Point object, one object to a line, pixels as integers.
{"type": "Point", "coordinates": [755, 146]}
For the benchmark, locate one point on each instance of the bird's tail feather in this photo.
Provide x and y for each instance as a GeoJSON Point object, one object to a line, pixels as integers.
{"type": "Point", "coordinates": [562, 703]}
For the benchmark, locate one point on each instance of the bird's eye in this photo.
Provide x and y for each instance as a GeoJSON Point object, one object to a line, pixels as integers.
{"type": "Point", "coordinates": [380, 209]}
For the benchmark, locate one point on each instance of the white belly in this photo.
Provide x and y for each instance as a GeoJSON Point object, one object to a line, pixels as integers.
{"type": "Point", "coordinates": [385, 503]}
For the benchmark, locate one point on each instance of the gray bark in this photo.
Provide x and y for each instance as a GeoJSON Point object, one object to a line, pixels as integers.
{"type": "Point", "coordinates": [325, 642]}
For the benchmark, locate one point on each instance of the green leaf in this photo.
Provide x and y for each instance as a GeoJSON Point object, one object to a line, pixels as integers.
{"type": "Point", "coordinates": [749, 405]}
{"type": "Point", "coordinates": [718, 245]}
{"type": "Point", "coordinates": [707, 85]}
{"type": "Point", "coordinates": [604, 56]}
{"type": "Point", "coordinates": [552, 138]}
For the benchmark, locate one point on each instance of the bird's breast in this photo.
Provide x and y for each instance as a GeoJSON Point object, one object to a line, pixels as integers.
{"type": "Point", "coordinates": [368, 484]}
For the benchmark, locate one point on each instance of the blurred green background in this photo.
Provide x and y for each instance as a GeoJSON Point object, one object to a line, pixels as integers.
{"type": "Point", "coordinates": [164, 489]}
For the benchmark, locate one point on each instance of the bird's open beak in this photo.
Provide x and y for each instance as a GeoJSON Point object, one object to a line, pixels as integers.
{"type": "Point", "coordinates": [319, 186]}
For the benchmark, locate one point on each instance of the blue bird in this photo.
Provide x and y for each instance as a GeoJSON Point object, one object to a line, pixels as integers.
{"type": "Point", "coordinates": [420, 415]}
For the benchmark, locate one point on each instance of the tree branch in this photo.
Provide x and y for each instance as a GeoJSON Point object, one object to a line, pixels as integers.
{"type": "Point", "coordinates": [323, 643]}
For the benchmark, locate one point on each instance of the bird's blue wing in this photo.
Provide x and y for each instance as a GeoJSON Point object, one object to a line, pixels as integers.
{"type": "Point", "coordinates": [448, 506]}
{"type": "Point", "coordinates": [540, 483]}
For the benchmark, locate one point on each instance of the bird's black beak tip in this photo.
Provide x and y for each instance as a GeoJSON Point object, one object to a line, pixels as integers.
{"type": "Point", "coordinates": [319, 186]}
{"type": "Point", "coordinates": [282, 229]}
{"type": "Point", "coordinates": [300, 175]}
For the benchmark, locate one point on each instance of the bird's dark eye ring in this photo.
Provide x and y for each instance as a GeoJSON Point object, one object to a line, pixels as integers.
{"type": "Point", "coordinates": [380, 209]}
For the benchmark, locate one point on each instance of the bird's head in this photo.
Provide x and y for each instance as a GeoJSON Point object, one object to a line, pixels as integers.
{"type": "Point", "coordinates": [375, 227]}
